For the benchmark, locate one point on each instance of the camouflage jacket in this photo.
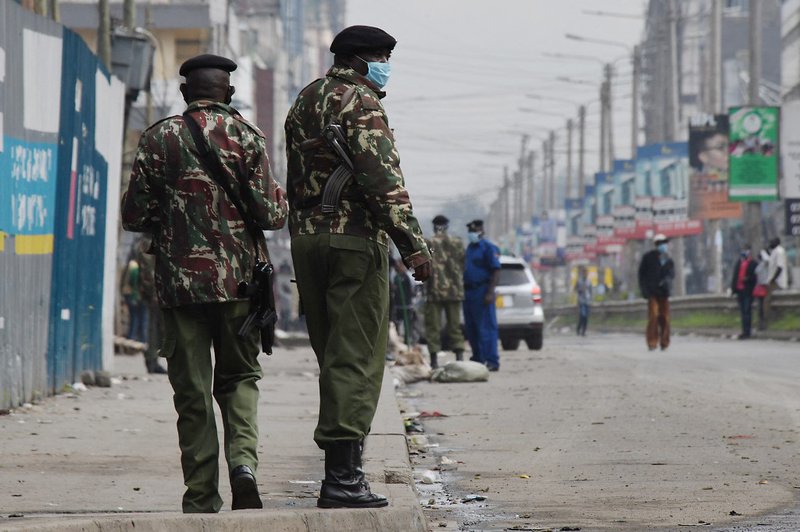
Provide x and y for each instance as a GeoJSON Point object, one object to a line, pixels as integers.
{"type": "Point", "coordinates": [201, 245]}
{"type": "Point", "coordinates": [375, 202]}
{"type": "Point", "coordinates": [446, 283]}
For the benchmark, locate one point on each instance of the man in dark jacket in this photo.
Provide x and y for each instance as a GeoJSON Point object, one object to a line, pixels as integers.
{"type": "Point", "coordinates": [743, 282]}
{"type": "Point", "coordinates": [656, 272]}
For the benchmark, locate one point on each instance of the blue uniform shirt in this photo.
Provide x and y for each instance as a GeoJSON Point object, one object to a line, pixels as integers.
{"type": "Point", "coordinates": [479, 264]}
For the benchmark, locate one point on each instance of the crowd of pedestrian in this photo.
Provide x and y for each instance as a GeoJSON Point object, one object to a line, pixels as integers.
{"type": "Point", "coordinates": [757, 278]}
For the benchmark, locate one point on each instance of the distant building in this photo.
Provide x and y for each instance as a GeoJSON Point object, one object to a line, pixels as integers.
{"type": "Point", "coordinates": [693, 23]}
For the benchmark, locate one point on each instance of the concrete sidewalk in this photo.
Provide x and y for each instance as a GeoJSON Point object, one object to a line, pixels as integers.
{"type": "Point", "coordinates": [107, 459]}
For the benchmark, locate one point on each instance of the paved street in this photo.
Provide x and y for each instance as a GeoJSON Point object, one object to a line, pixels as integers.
{"type": "Point", "coordinates": [614, 437]}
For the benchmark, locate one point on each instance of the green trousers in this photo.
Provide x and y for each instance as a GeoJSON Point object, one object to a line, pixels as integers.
{"type": "Point", "coordinates": [433, 325]}
{"type": "Point", "coordinates": [189, 333]}
{"type": "Point", "coordinates": [343, 283]}
{"type": "Point", "coordinates": [155, 331]}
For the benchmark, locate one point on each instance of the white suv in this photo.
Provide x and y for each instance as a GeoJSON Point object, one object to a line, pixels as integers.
{"type": "Point", "coordinates": [519, 305]}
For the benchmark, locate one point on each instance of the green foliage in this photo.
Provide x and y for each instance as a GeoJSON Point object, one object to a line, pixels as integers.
{"type": "Point", "coordinates": [788, 322]}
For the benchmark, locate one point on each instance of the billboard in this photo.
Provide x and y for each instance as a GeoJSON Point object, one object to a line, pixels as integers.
{"type": "Point", "coordinates": [753, 149]}
{"type": "Point", "coordinates": [662, 187]}
{"type": "Point", "coordinates": [708, 167]}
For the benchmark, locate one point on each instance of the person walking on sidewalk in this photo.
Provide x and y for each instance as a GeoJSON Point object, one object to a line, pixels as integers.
{"type": "Point", "coordinates": [583, 287]}
{"type": "Point", "coordinates": [656, 273]}
{"type": "Point", "coordinates": [347, 197]}
{"type": "Point", "coordinates": [444, 291]}
{"type": "Point", "coordinates": [207, 229]}
{"type": "Point", "coordinates": [743, 282]}
{"type": "Point", "coordinates": [481, 273]}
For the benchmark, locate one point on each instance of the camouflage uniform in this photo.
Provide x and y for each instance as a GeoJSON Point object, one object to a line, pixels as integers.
{"type": "Point", "coordinates": [444, 293]}
{"type": "Point", "coordinates": [202, 250]}
{"type": "Point", "coordinates": [341, 259]}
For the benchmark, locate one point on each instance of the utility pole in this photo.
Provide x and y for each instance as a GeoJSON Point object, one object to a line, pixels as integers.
{"type": "Point", "coordinates": [673, 125]}
{"type": "Point", "coordinates": [714, 106]}
{"type": "Point", "coordinates": [545, 174]}
{"type": "Point", "coordinates": [637, 68]}
{"type": "Point", "coordinates": [752, 209]}
{"type": "Point", "coordinates": [531, 165]}
{"type": "Point", "coordinates": [520, 177]}
{"type": "Point", "coordinates": [715, 58]}
{"type": "Point", "coordinates": [506, 202]}
{"type": "Point", "coordinates": [568, 192]}
{"type": "Point", "coordinates": [581, 148]}
{"type": "Point", "coordinates": [609, 74]}
{"type": "Point", "coordinates": [673, 118]}
{"type": "Point", "coordinates": [603, 125]}
{"type": "Point", "coordinates": [551, 204]}
{"type": "Point", "coordinates": [104, 33]}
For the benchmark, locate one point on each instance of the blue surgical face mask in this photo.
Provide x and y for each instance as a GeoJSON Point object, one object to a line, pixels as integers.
{"type": "Point", "coordinates": [473, 238]}
{"type": "Point", "coordinates": [662, 248]}
{"type": "Point", "coordinates": [377, 72]}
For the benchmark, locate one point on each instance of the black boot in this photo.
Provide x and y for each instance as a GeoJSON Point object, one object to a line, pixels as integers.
{"type": "Point", "coordinates": [459, 354]}
{"type": "Point", "coordinates": [245, 489]}
{"type": "Point", "coordinates": [434, 360]}
{"type": "Point", "coordinates": [344, 485]}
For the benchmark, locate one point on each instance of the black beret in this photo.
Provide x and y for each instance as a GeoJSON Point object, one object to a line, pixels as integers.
{"type": "Point", "coordinates": [440, 219]}
{"type": "Point", "coordinates": [475, 225]}
{"type": "Point", "coordinates": [207, 61]}
{"type": "Point", "coordinates": [355, 38]}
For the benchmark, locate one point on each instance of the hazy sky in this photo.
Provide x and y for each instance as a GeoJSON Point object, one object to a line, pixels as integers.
{"type": "Point", "coordinates": [462, 73]}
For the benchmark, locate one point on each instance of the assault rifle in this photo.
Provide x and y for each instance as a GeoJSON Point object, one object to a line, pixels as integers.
{"type": "Point", "coordinates": [334, 136]}
{"type": "Point", "coordinates": [262, 305]}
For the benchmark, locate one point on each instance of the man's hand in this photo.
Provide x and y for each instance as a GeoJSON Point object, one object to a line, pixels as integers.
{"type": "Point", "coordinates": [488, 297]}
{"type": "Point", "coordinates": [423, 272]}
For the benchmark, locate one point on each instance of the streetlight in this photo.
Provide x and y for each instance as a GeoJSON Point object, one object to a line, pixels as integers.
{"type": "Point", "coordinates": [611, 14]}
{"type": "Point", "coordinates": [592, 40]}
{"type": "Point", "coordinates": [567, 79]}
{"type": "Point", "coordinates": [635, 54]}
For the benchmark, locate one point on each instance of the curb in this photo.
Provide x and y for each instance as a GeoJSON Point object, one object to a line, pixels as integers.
{"type": "Point", "coordinates": [388, 469]}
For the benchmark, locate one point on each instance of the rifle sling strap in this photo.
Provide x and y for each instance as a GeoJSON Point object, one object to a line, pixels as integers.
{"type": "Point", "coordinates": [216, 172]}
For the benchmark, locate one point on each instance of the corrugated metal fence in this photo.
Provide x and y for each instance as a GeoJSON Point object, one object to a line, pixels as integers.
{"type": "Point", "coordinates": [59, 188]}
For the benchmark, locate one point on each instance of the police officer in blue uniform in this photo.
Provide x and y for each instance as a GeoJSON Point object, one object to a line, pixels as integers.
{"type": "Point", "coordinates": [481, 271]}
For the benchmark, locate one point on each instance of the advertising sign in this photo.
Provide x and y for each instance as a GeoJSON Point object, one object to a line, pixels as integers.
{"type": "Point", "coordinates": [662, 188]}
{"type": "Point", "coordinates": [625, 221]}
{"type": "Point", "coordinates": [753, 153]}
{"type": "Point", "coordinates": [589, 205]}
{"type": "Point", "coordinates": [624, 181]}
{"type": "Point", "coordinates": [790, 149]}
{"type": "Point", "coordinates": [793, 217]}
{"type": "Point", "coordinates": [604, 192]}
{"type": "Point", "coordinates": [574, 212]}
{"type": "Point", "coordinates": [708, 164]}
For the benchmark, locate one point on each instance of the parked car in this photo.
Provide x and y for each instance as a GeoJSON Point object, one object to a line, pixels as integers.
{"type": "Point", "coordinates": [519, 305]}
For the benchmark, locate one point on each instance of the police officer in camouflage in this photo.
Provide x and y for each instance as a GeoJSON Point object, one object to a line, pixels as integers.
{"type": "Point", "coordinates": [202, 251]}
{"type": "Point", "coordinates": [341, 257]}
{"type": "Point", "coordinates": [445, 291]}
